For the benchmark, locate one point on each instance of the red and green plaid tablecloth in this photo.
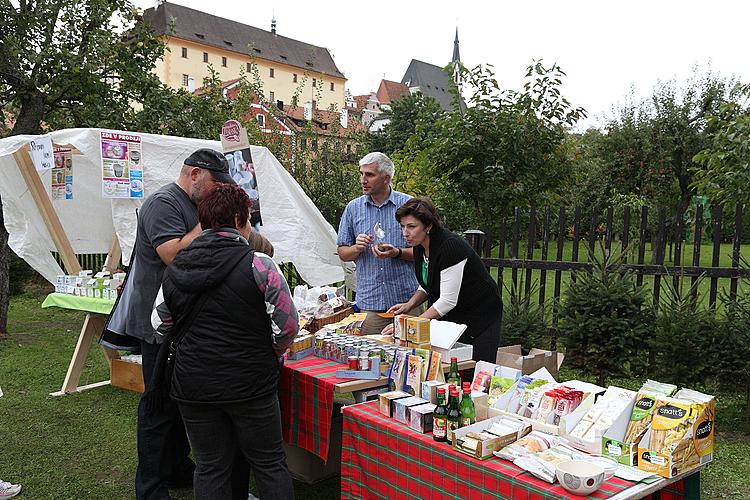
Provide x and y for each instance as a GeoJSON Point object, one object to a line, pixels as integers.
{"type": "Point", "coordinates": [306, 396]}
{"type": "Point", "coordinates": [382, 458]}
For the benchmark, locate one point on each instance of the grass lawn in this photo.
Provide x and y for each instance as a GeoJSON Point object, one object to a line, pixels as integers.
{"type": "Point", "coordinates": [725, 260]}
{"type": "Point", "coordinates": [83, 446]}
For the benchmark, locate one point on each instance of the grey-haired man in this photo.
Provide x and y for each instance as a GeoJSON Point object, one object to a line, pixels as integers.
{"type": "Point", "coordinates": [385, 274]}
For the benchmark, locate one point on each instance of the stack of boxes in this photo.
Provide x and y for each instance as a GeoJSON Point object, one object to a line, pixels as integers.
{"type": "Point", "coordinates": [87, 284]}
{"type": "Point", "coordinates": [412, 331]}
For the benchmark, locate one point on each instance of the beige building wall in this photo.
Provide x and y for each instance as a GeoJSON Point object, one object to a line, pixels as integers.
{"type": "Point", "coordinates": [174, 67]}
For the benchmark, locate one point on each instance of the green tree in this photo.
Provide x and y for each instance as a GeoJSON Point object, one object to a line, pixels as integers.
{"type": "Point", "coordinates": [70, 63]}
{"type": "Point", "coordinates": [725, 160]}
{"type": "Point", "coordinates": [647, 149]}
{"type": "Point", "coordinates": [408, 115]}
{"type": "Point", "coordinates": [506, 148]}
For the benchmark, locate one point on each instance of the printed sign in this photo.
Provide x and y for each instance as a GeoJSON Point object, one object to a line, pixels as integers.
{"type": "Point", "coordinates": [122, 165]}
{"type": "Point", "coordinates": [236, 146]}
{"type": "Point", "coordinates": [62, 173]}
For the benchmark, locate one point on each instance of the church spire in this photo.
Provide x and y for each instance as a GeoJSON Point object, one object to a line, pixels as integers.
{"type": "Point", "coordinates": [456, 55]}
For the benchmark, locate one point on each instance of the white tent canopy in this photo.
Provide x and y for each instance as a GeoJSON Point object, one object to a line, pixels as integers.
{"type": "Point", "coordinates": [291, 221]}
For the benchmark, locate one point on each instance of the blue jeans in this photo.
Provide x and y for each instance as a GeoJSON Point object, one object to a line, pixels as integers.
{"type": "Point", "coordinates": [163, 446]}
{"type": "Point", "coordinates": [215, 430]}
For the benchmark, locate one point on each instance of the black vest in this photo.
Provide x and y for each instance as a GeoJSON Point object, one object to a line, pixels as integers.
{"type": "Point", "coordinates": [227, 354]}
{"type": "Point", "coordinates": [479, 302]}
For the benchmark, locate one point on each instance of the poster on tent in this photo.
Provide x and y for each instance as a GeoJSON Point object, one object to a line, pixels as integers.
{"type": "Point", "coordinates": [62, 173]}
{"type": "Point", "coordinates": [122, 165]}
{"type": "Point", "coordinates": [236, 149]}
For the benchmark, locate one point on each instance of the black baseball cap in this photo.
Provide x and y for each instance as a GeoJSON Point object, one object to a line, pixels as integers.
{"type": "Point", "coordinates": [214, 162]}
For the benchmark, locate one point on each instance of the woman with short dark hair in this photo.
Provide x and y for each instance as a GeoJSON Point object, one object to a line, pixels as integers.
{"type": "Point", "coordinates": [228, 313]}
{"type": "Point", "coordinates": [452, 279]}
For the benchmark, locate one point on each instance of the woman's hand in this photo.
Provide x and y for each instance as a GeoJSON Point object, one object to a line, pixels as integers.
{"type": "Point", "coordinates": [385, 251]}
{"type": "Point", "coordinates": [400, 308]}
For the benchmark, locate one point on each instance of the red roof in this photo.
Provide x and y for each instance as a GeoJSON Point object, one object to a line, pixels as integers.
{"type": "Point", "coordinates": [391, 91]}
{"type": "Point", "coordinates": [322, 119]}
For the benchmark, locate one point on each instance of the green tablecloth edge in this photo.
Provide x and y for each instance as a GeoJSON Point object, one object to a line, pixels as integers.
{"type": "Point", "coordinates": [88, 304]}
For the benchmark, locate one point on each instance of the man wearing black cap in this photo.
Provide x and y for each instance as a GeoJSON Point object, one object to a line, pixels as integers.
{"type": "Point", "coordinates": [167, 223]}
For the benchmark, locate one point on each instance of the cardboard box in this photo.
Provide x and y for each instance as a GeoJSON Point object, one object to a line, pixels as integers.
{"type": "Point", "coordinates": [488, 446]}
{"type": "Point", "coordinates": [399, 326]}
{"type": "Point", "coordinates": [388, 399]}
{"type": "Point", "coordinates": [430, 390]}
{"type": "Point", "coordinates": [420, 417]}
{"type": "Point", "coordinates": [310, 468]}
{"type": "Point", "coordinates": [413, 345]}
{"type": "Point", "coordinates": [418, 330]}
{"type": "Point", "coordinates": [127, 375]}
{"type": "Point", "coordinates": [513, 357]}
{"type": "Point", "coordinates": [400, 406]}
{"type": "Point", "coordinates": [694, 449]}
{"type": "Point", "coordinates": [594, 446]}
{"type": "Point", "coordinates": [480, 405]}
{"type": "Point", "coordinates": [463, 352]}
{"type": "Point", "coordinates": [566, 422]}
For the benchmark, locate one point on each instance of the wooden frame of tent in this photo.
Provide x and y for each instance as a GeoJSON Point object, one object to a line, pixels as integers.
{"type": "Point", "coordinates": [93, 323]}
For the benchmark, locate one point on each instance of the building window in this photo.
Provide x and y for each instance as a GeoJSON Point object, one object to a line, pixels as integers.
{"type": "Point", "coordinates": [271, 96]}
{"type": "Point", "coordinates": [224, 61]}
{"type": "Point", "coordinates": [261, 120]}
{"type": "Point", "coordinates": [270, 72]}
{"type": "Point", "coordinates": [294, 77]}
{"type": "Point", "coordinates": [249, 67]}
{"type": "Point", "coordinates": [205, 57]}
{"type": "Point", "coordinates": [315, 82]}
{"type": "Point", "coordinates": [185, 80]}
{"type": "Point", "coordinates": [184, 52]}
{"type": "Point", "coordinates": [331, 86]}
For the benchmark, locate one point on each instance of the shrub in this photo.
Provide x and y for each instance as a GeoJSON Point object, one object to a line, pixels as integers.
{"type": "Point", "coordinates": [733, 344]}
{"type": "Point", "coordinates": [523, 319]}
{"type": "Point", "coordinates": [683, 340]}
{"type": "Point", "coordinates": [605, 321]}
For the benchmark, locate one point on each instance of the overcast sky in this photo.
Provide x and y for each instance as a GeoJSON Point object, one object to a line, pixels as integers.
{"type": "Point", "coordinates": [604, 47]}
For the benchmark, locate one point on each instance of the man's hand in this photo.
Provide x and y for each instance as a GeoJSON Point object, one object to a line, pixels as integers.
{"type": "Point", "coordinates": [387, 331]}
{"type": "Point", "coordinates": [386, 251]}
{"type": "Point", "coordinates": [362, 242]}
{"type": "Point", "coordinates": [400, 308]}
{"type": "Point", "coordinates": [169, 249]}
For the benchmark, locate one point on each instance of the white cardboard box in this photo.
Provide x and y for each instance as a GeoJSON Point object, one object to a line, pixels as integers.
{"type": "Point", "coordinates": [594, 446]}
{"type": "Point", "coordinates": [489, 446]}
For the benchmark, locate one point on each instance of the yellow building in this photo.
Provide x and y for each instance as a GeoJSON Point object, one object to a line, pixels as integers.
{"type": "Point", "coordinates": [290, 71]}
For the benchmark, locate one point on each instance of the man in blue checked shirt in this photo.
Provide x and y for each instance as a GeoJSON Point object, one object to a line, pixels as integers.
{"type": "Point", "coordinates": [385, 274]}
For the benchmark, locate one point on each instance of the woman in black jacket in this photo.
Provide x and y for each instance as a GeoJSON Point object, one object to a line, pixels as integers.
{"type": "Point", "coordinates": [235, 318]}
{"type": "Point", "coordinates": [451, 278]}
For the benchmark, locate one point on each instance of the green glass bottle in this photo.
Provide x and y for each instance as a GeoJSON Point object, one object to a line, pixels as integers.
{"type": "Point", "coordinates": [440, 418]}
{"type": "Point", "coordinates": [454, 376]}
{"type": "Point", "coordinates": [468, 413]}
{"type": "Point", "coordinates": [454, 417]}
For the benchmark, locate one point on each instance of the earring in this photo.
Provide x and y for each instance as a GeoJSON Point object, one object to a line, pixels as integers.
{"type": "Point", "coordinates": [428, 232]}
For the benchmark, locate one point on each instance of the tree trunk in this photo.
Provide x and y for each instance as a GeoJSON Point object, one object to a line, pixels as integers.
{"type": "Point", "coordinates": [4, 276]}
{"type": "Point", "coordinates": [29, 121]}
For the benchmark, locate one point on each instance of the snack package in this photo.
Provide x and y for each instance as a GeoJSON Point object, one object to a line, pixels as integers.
{"type": "Point", "coordinates": [542, 465]}
{"type": "Point", "coordinates": [481, 382]}
{"type": "Point", "coordinates": [670, 423]}
{"type": "Point", "coordinates": [646, 403]}
{"type": "Point", "coordinates": [396, 378]}
{"type": "Point", "coordinates": [533, 442]}
{"type": "Point", "coordinates": [498, 387]}
{"type": "Point", "coordinates": [413, 377]}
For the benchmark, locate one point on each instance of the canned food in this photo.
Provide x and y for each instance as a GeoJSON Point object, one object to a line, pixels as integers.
{"type": "Point", "coordinates": [353, 363]}
{"type": "Point", "coordinates": [364, 363]}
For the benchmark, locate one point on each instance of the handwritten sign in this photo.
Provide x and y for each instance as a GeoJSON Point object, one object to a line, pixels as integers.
{"type": "Point", "coordinates": [41, 153]}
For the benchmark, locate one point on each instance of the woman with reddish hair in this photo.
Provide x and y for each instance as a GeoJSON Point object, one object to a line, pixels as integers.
{"type": "Point", "coordinates": [228, 317]}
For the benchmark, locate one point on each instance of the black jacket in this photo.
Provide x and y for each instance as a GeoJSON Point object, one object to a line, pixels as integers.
{"type": "Point", "coordinates": [479, 302]}
{"type": "Point", "coordinates": [227, 353]}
